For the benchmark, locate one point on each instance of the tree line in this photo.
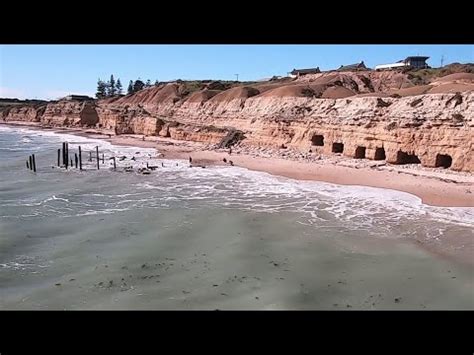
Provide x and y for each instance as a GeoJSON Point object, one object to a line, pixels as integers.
{"type": "Point", "coordinates": [113, 88]}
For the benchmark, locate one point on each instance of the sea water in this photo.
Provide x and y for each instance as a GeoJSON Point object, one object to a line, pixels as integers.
{"type": "Point", "coordinates": [216, 238]}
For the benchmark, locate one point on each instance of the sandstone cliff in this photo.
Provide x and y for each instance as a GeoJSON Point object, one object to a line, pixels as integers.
{"type": "Point", "coordinates": [354, 114]}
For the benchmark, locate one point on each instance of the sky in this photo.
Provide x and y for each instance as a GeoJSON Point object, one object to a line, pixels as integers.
{"type": "Point", "coordinates": [53, 71]}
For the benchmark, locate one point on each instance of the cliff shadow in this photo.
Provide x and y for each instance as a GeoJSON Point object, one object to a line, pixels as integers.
{"type": "Point", "coordinates": [359, 152]}
{"type": "Point", "coordinates": [379, 154]}
{"type": "Point", "coordinates": [443, 161]}
{"type": "Point", "coordinates": [337, 147]}
{"type": "Point", "coordinates": [317, 140]}
{"type": "Point", "coordinates": [405, 158]}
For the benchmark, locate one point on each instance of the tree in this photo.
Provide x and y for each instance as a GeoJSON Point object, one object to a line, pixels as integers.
{"type": "Point", "coordinates": [101, 89]}
{"type": "Point", "coordinates": [112, 89]}
{"type": "Point", "coordinates": [148, 83]}
{"type": "Point", "coordinates": [138, 85]}
{"type": "Point", "coordinates": [157, 82]}
{"type": "Point", "coordinates": [118, 87]}
{"type": "Point", "coordinates": [130, 88]}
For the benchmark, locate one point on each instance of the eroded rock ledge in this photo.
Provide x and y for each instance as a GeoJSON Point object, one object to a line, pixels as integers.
{"type": "Point", "coordinates": [435, 130]}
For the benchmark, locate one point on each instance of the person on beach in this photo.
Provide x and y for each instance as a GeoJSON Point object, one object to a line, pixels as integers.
{"type": "Point", "coordinates": [230, 150]}
{"type": "Point", "coordinates": [231, 162]}
{"type": "Point", "coordinates": [224, 160]}
{"type": "Point", "coordinates": [190, 160]}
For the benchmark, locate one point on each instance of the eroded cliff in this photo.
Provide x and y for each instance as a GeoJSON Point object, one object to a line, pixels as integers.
{"type": "Point", "coordinates": [365, 115]}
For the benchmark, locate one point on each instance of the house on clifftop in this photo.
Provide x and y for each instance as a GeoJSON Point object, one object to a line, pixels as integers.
{"type": "Point", "coordinates": [77, 98]}
{"type": "Point", "coordinates": [353, 67]}
{"type": "Point", "coordinates": [415, 62]}
{"type": "Point", "coordinates": [295, 73]}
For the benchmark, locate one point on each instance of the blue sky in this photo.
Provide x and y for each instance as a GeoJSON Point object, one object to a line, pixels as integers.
{"type": "Point", "coordinates": [52, 71]}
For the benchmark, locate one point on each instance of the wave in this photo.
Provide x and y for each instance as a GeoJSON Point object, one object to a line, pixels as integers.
{"type": "Point", "coordinates": [227, 187]}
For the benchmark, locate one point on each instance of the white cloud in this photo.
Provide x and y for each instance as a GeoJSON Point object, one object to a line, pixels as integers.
{"type": "Point", "coordinates": [11, 93]}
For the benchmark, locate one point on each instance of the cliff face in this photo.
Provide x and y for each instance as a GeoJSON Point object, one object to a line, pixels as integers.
{"type": "Point", "coordinates": [70, 113]}
{"type": "Point", "coordinates": [31, 113]}
{"type": "Point", "coordinates": [433, 129]}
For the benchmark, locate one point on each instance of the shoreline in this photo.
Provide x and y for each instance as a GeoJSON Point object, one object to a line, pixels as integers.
{"type": "Point", "coordinates": [432, 187]}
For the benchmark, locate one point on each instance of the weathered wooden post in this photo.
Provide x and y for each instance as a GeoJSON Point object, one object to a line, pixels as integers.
{"type": "Point", "coordinates": [103, 158]}
{"type": "Point", "coordinates": [27, 165]}
{"type": "Point", "coordinates": [90, 156]}
{"type": "Point", "coordinates": [80, 158]}
{"type": "Point", "coordinates": [34, 163]}
{"type": "Point", "coordinates": [97, 156]}
{"type": "Point", "coordinates": [59, 156]}
{"type": "Point", "coordinates": [64, 153]}
{"type": "Point", "coordinates": [31, 162]}
{"type": "Point", "coordinates": [115, 165]}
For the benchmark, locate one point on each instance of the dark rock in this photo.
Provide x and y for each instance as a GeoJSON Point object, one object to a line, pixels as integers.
{"type": "Point", "coordinates": [382, 103]}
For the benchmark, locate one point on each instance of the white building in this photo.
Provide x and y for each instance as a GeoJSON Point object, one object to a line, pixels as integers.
{"type": "Point", "coordinates": [416, 62]}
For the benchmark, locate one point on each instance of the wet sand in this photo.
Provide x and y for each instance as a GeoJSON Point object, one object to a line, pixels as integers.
{"type": "Point", "coordinates": [199, 254]}
{"type": "Point", "coordinates": [446, 189]}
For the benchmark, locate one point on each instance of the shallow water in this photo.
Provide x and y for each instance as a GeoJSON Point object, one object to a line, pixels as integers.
{"type": "Point", "coordinates": [214, 238]}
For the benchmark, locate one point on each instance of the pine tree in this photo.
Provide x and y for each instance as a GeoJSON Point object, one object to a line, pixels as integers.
{"type": "Point", "coordinates": [101, 89]}
{"type": "Point", "coordinates": [138, 85]}
{"type": "Point", "coordinates": [148, 83]}
{"type": "Point", "coordinates": [118, 87]}
{"type": "Point", "coordinates": [157, 82]}
{"type": "Point", "coordinates": [112, 89]}
{"type": "Point", "coordinates": [130, 88]}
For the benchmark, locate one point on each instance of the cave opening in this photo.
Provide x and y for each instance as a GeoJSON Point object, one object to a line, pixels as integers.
{"type": "Point", "coordinates": [379, 154]}
{"type": "Point", "coordinates": [360, 152]}
{"type": "Point", "coordinates": [443, 160]}
{"type": "Point", "coordinates": [337, 147]}
{"type": "Point", "coordinates": [317, 140]}
{"type": "Point", "coordinates": [405, 158]}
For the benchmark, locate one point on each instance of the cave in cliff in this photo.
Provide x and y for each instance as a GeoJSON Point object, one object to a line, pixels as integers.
{"type": "Point", "coordinates": [337, 147]}
{"type": "Point", "coordinates": [379, 154]}
{"type": "Point", "coordinates": [405, 158]}
{"type": "Point", "coordinates": [360, 153]}
{"type": "Point", "coordinates": [443, 160]}
{"type": "Point", "coordinates": [317, 140]}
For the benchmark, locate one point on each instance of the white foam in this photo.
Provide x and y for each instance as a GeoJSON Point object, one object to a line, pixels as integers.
{"type": "Point", "coordinates": [240, 188]}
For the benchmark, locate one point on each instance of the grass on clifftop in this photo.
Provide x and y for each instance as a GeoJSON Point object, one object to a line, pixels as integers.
{"type": "Point", "coordinates": [424, 76]}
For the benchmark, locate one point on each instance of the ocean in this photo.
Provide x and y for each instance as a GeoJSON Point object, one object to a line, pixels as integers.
{"type": "Point", "coordinates": [216, 238]}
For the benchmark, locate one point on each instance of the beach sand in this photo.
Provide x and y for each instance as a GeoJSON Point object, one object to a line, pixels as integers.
{"type": "Point", "coordinates": [436, 187]}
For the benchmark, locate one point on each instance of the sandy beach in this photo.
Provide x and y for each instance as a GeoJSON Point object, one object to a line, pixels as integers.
{"type": "Point", "coordinates": [184, 237]}
{"type": "Point", "coordinates": [436, 187]}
